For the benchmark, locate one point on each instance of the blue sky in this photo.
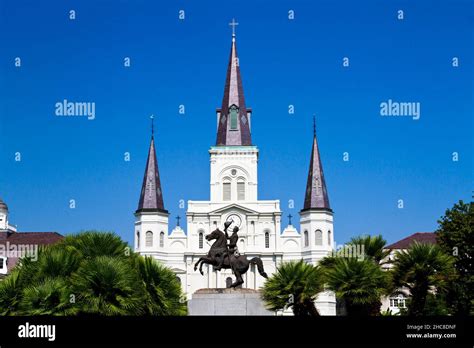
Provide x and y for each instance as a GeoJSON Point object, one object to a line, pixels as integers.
{"type": "Point", "coordinates": [283, 62]}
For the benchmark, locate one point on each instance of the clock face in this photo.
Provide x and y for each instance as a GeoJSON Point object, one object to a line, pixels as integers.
{"type": "Point", "coordinates": [236, 221]}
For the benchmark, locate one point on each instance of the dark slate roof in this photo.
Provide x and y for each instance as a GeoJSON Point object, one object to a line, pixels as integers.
{"type": "Point", "coordinates": [420, 237]}
{"type": "Point", "coordinates": [40, 238]}
{"type": "Point", "coordinates": [233, 95]}
{"type": "Point", "coordinates": [316, 195]}
{"type": "Point", "coordinates": [151, 196]}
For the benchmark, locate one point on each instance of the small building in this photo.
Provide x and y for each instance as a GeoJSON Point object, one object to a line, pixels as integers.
{"type": "Point", "coordinates": [15, 245]}
{"type": "Point", "coordinates": [397, 300]}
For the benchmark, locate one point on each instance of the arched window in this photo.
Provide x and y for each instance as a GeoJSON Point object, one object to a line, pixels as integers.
{"type": "Point", "coordinates": [306, 238]}
{"type": "Point", "coordinates": [318, 237]}
{"type": "Point", "coordinates": [138, 239]}
{"type": "Point", "coordinates": [329, 237]}
{"type": "Point", "coordinates": [398, 301]}
{"type": "Point", "coordinates": [162, 239]}
{"type": "Point", "coordinates": [226, 191]}
{"type": "Point", "coordinates": [201, 240]}
{"type": "Point", "coordinates": [149, 239]}
{"type": "Point", "coordinates": [228, 282]}
{"type": "Point", "coordinates": [241, 190]}
{"type": "Point", "coordinates": [178, 279]}
{"type": "Point", "coordinates": [267, 240]}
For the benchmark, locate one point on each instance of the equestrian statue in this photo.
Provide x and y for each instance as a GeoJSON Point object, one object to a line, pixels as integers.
{"type": "Point", "coordinates": [223, 255]}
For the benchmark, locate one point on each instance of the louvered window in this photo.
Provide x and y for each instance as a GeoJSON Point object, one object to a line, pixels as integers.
{"type": "Point", "coordinates": [233, 119]}
{"type": "Point", "coordinates": [226, 191]}
{"type": "Point", "coordinates": [149, 239]}
{"type": "Point", "coordinates": [318, 237]}
{"type": "Point", "coordinates": [241, 191]}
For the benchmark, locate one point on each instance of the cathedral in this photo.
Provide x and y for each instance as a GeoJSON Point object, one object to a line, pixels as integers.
{"type": "Point", "coordinates": [234, 198]}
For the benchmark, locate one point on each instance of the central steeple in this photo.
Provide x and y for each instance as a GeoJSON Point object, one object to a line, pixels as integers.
{"type": "Point", "coordinates": [233, 127]}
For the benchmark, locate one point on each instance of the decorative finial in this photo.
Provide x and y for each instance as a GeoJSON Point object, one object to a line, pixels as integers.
{"type": "Point", "coordinates": [289, 219]}
{"type": "Point", "coordinates": [314, 125]}
{"type": "Point", "coordinates": [233, 24]}
{"type": "Point", "coordinates": [177, 220]}
{"type": "Point", "coordinates": [152, 125]}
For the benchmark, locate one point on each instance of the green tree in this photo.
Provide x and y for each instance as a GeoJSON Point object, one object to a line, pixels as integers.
{"type": "Point", "coordinates": [455, 235]}
{"type": "Point", "coordinates": [93, 243]}
{"type": "Point", "coordinates": [294, 285]}
{"type": "Point", "coordinates": [373, 247]}
{"type": "Point", "coordinates": [359, 283]}
{"type": "Point", "coordinates": [54, 261]}
{"type": "Point", "coordinates": [10, 294]}
{"type": "Point", "coordinates": [422, 268]}
{"type": "Point", "coordinates": [46, 297]}
{"type": "Point", "coordinates": [91, 272]}
{"type": "Point", "coordinates": [163, 294]}
{"type": "Point", "coordinates": [108, 286]}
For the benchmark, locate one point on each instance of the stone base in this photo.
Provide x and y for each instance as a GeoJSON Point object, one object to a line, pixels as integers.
{"type": "Point", "coordinates": [227, 302]}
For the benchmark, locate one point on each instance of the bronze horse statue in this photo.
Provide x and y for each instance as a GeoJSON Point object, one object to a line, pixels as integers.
{"type": "Point", "coordinates": [238, 264]}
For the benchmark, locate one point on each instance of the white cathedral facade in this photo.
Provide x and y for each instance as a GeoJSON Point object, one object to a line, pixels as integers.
{"type": "Point", "coordinates": [234, 197]}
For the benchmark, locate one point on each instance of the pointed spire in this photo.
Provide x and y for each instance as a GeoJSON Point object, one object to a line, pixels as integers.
{"type": "Point", "coordinates": [151, 196]}
{"type": "Point", "coordinates": [233, 128]}
{"type": "Point", "coordinates": [316, 196]}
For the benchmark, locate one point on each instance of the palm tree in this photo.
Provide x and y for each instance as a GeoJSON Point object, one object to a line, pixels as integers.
{"type": "Point", "coordinates": [10, 294]}
{"type": "Point", "coordinates": [47, 297]}
{"type": "Point", "coordinates": [163, 291]}
{"type": "Point", "coordinates": [94, 273]}
{"type": "Point", "coordinates": [108, 286]}
{"type": "Point", "coordinates": [421, 268]}
{"type": "Point", "coordinates": [294, 285]}
{"type": "Point", "coordinates": [373, 247]}
{"type": "Point", "coordinates": [359, 283]}
{"type": "Point", "coordinates": [52, 262]}
{"type": "Point", "coordinates": [94, 243]}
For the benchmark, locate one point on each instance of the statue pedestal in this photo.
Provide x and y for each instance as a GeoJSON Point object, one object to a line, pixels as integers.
{"type": "Point", "coordinates": [227, 302]}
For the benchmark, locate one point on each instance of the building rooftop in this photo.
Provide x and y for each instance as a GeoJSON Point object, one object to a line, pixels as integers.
{"type": "Point", "coordinates": [41, 238]}
{"type": "Point", "coordinates": [420, 237]}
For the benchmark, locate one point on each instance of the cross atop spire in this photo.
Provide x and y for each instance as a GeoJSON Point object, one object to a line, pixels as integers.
{"type": "Point", "coordinates": [316, 196]}
{"type": "Point", "coordinates": [233, 24]}
{"type": "Point", "coordinates": [314, 125]}
{"type": "Point", "coordinates": [152, 125]}
{"type": "Point", "coordinates": [234, 118]}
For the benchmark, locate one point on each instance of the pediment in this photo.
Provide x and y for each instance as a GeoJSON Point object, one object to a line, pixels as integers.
{"type": "Point", "coordinates": [233, 207]}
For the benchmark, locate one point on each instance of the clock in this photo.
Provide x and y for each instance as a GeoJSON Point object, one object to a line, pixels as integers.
{"type": "Point", "coordinates": [236, 221]}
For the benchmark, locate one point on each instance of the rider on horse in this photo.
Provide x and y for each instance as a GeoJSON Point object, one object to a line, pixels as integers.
{"type": "Point", "coordinates": [239, 264]}
{"type": "Point", "coordinates": [231, 247]}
